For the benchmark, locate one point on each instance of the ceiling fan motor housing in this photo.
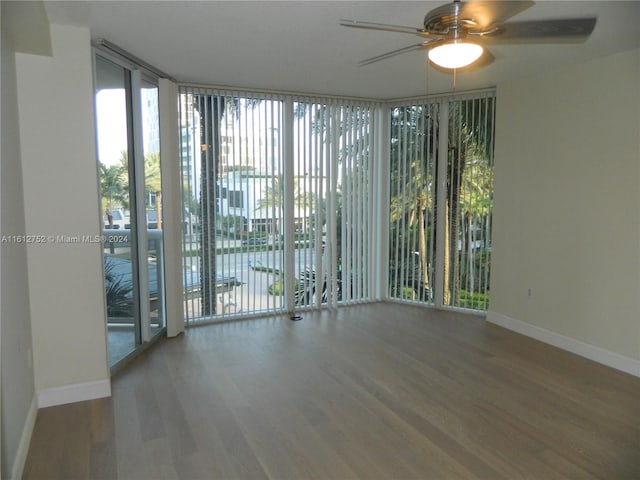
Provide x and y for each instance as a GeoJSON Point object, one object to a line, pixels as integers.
{"type": "Point", "coordinates": [443, 19]}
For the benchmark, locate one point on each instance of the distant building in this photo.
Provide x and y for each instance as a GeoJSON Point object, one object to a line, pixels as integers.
{"type": "Point", "coordinates": [245, 193]}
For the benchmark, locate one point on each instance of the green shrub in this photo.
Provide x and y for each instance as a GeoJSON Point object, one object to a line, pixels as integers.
{"type": "Point", "coordinates": [408, 293]}
{"type": "Point", "coordinates": [277, 287]}
{"type": "Point", "coordinates": [473, 300]}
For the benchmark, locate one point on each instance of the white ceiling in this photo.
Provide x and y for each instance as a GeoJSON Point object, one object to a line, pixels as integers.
{"type": "Point", "coordinates": [299, 46]}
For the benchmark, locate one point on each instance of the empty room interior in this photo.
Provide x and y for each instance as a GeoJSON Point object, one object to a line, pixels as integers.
{"type": "Point", "coordinates": [320, 239]}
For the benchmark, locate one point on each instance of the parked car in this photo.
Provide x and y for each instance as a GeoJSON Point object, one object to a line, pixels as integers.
{"type": "Point", "coordinates": [119, 220]}
{"type": "Point", "coordinates": [152, 219]}
{"type": "Point", "coordinates": [254, 241]}
{"type": "Point", "coordinates": [122, 220]}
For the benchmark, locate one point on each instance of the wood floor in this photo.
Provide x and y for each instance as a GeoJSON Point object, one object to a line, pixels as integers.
{"type": "Point", "coordinates": [380, 391]}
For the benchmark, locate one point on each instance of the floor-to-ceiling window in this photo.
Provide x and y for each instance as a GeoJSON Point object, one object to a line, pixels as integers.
{"type": "Point", "coordinates": [280, 200]}
{"type": "Point", "coordinates": [127, 125]}
{"type": "Point", "coordinates": [469, 202]}
{"type": "Point", "coordinates": [333, 201]}
{"type": "Point", "coordinates": [232, 165]}
{"type": "Point", "coordinates": [441, 198]}
{"type": "Point", "coordinates": [414, 141]}
{"type": "Point", "coordinates": [277, 202]}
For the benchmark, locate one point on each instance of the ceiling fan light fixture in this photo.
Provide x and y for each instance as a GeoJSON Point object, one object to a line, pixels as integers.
{"type": "Point", "coordinates": [455, 53]}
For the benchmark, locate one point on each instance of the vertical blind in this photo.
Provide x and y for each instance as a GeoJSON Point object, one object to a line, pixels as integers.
{"type": "Point", "coordinates": [414, 140]}
{"type": "Point", "coordinates": [277, 200]}
{"type": "Point", "coordinates": [334, 149]}
{"type": "Point", "coordinates": [441, 199]}
{"type": "Point", "coordinates": [469, 202]}
{"type": "Point", "coordinates": [280, 193]}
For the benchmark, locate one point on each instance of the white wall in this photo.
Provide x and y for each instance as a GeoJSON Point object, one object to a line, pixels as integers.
{"type": "Point", "coordinates": [17, 373]}
{"type": "Point", "coordinates": [567, 206]}
{"type": "Point", "coordinates": [61, 199]}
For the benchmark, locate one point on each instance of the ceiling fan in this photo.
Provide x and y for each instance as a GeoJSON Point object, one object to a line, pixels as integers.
{"type": "Point", "coordinates": [457, 33]}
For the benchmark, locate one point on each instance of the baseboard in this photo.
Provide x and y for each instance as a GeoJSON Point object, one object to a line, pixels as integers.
{"type": "Point", "coordinates": [74, 393]}
{"type": "Point", "coordinates": [25, 440]}
{"type": "Point", "coordinates": [597, 354]}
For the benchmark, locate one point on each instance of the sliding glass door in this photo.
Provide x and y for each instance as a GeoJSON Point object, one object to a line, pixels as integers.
{"type": "Point", "coordinates": [126, 104]}
{"type": "Point", "coordinates": [152, 225]}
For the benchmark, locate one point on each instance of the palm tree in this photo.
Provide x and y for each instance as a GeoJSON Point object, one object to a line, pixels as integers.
{"type": "Point", "coordinates": [113, 187]}
{"type": "Point", "coordinates": [152, 179]}
{"type": "Point", "coordinates": [212, 109]}
{"type": "Point", "coordinates": [415, 208]}
{"type": "Point", "coordinates": [470, 135]}
{"type": "Point", "coordinates": [273, 197]}
{"type": "Point", "coordinates": [476, 204]}
{"type": "Point", "coordinates": [414, 189]}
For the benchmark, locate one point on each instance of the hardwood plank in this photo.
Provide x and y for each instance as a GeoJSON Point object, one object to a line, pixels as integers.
{"type": "Point", "coordinates": [379, 391]}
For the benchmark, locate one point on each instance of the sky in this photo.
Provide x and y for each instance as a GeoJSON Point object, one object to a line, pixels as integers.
{"type": "Point", "coordinates": [112, 123]}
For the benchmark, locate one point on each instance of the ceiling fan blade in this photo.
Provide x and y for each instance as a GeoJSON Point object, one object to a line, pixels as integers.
{"type": "Point", "coordinates": [571, 30]}
{"type": "Point", "coordinates": [487, 12]}
{"type": "Point", "coordinates": [382, 26]}
{"type": "Point", "coordinates": [476, 15]}
{"type": "Point", "coordinates": [393, 53]}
